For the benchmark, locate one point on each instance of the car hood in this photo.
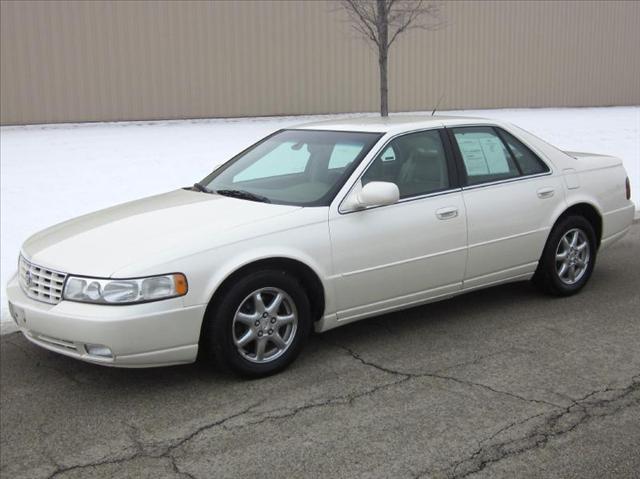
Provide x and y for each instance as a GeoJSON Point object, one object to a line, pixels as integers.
{"type": "Point", "coordinates": [100, 243]}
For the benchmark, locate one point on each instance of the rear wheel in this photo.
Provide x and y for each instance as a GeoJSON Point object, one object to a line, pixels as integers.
{"type": "Point", "coordinates": [568, 258]}
{"type": "Point", "coordinates": [260, 324]}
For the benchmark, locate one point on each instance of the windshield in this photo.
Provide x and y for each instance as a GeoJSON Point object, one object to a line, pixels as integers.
{"type": "Point", "coordinates": [293, 167]}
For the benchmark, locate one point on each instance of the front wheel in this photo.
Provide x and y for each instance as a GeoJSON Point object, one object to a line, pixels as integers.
{"type": "Point", "coordinates": [260, 324]}
{"type": "Point", "coordinates": [568, 258]}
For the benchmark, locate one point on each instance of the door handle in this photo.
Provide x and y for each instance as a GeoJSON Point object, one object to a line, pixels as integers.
{"type": "Point", "coordinates": [447, 213]}
{"type": "Point", "coordinates": [545, 192]}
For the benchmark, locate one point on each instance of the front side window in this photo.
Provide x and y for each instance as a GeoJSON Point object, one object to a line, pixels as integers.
{"type": "Point", "coordinates": [415, 162]}
{"type": "Point", "coordinates": [296, 167]}
{"type": "Point", "coordinates": [484, 155]}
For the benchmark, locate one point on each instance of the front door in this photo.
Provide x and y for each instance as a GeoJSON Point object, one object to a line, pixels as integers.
{"type": "Point", "coordinates": [408, 252]}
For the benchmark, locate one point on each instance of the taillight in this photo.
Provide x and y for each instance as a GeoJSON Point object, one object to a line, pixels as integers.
{"type": "Point", "coordinates": [628, 186]}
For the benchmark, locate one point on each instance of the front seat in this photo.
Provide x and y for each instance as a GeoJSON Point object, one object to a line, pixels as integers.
{"type": "Point", "coordinates": [424, 171]}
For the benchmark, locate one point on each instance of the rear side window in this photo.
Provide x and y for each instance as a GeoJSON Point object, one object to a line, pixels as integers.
{"type": "Point", "coordinates": [528, 162]}
{"type": "Point", "coordinates": [485, 156]}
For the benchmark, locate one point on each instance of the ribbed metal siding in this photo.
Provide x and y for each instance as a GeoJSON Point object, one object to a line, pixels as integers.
{"type": "Point", "coordinates": [90, 61]}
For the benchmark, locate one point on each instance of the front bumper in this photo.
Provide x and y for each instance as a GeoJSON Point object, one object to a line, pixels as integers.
{"type": "Point", "coordinates": [143, 335]}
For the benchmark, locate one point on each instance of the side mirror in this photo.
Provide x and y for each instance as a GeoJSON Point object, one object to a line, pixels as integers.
{"type": "Point", "coordinates": [378, 193]}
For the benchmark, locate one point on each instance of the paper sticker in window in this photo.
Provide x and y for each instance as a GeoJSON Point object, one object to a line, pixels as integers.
{"type": "Point", "coordinates": [473, 156]}
{"type": "Point", "coordinates": [495, 155]}
{"type": "Point", "coordinates": [389, 154]}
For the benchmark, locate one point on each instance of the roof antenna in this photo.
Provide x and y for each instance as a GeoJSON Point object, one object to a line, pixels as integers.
{"type": "Point", "coordinates": [437, 104]}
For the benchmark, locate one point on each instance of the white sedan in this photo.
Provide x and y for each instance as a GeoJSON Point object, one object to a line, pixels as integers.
{"type": "Point", "coordinates": [314, 227]}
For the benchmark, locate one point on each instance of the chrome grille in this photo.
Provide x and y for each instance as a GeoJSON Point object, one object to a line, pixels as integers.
{"type": "Point", "coordinates": [40, 283]}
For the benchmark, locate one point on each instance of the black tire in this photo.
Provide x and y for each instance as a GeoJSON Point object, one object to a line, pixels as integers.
{"type": "Point", "coordinates": [218, 331]}
{"type": "Point", "coordinates": [547, 277]}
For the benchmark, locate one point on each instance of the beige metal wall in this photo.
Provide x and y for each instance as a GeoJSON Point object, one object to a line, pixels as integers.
{"type": "Point", "coordinates": [132, 60]}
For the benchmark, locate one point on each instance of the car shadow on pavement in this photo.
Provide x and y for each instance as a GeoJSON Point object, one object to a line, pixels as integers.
{"type": "Point", "coordinates": [421, 320]}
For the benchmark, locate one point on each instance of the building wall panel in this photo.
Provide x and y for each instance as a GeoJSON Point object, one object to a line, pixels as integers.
{"type": "Point", "coordinates": [68, 61]}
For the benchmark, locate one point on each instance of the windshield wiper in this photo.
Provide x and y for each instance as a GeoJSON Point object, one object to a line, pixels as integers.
{"type": "Point", "coordinates": [243, 195]}
{"type": "Point", "coordinates": [201, 187]}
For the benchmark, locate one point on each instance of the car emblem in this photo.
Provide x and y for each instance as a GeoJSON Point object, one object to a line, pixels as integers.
{"type": "Point", "coordinates": [27, 278]}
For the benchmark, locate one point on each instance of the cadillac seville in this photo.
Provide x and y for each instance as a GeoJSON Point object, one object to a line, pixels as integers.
{"type": "Point", "coordinates": [314, 227]}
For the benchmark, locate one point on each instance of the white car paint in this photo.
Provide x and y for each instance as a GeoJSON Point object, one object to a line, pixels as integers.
{"type": "Point", "coordinates": [368, 261]}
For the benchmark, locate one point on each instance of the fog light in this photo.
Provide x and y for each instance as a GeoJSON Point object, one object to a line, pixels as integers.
{"type": "Point", "coordinates": [98, 350]}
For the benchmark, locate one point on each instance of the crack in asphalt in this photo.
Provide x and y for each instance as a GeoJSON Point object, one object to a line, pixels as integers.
{"type": "Point", "coordinates": [481, 358]}
{"type": "Point", "coordinates": [287, 413]}
{"type": "Point", "coordinates": [437, 375]}
{"type": "Point", "coordinates": [557, 424]}
{"type": "Point", "coordinates": [509, 426]}
{"type": "Point", "coordinates": [157, 451]}
{"type": "Point", "coordinates": [177, 470]}
{"type": "Point", "coordinates": [134, 436]}
{"type": "Point", "coordinates": [553, 426]}
{"type": "Point", "coordinates": [141, 451]}
{"type": "Point", "coordinates": [487, 452]}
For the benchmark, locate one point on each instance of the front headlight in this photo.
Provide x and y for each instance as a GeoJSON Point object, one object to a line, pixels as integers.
{"type": "Point", "coordinates": [124, 291]}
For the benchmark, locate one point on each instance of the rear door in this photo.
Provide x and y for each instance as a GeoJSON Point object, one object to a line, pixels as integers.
{"type": "Point", "coordinates": [510, 195]}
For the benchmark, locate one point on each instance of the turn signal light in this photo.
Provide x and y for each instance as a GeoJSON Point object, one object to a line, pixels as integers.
{"type": "Point", "coordinates": [180, 284]}
{"type": "Point", "coordinates": [628, 185]}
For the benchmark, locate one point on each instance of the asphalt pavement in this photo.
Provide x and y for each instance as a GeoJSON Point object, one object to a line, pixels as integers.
{"type": "Point", "coordinates": [503, 382]}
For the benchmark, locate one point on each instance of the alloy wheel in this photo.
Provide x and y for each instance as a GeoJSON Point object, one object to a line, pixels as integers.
{"type": "Point", "coordinates": [265, 325]}
{"type": "Point", "coordinates": [572, 256]}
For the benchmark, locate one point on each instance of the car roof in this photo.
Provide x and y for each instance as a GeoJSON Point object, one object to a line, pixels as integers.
{"type": "Point", "coordinates": [392, 124]}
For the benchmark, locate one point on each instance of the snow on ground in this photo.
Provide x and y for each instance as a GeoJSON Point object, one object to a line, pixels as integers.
{"type": "Point", "coordinates": [51, 173]}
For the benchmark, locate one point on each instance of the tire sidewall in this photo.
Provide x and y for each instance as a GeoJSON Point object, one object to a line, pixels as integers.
{"type": "Point", "coordinates": [220, 336]}
{"type": "Point", "coordinates": [549, 261]}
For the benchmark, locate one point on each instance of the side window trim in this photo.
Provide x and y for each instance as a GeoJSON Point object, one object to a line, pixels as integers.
{"type": "Point", "coordinates": [455, 179]}
{"type": "Point", "coordinates": [464, 180]}
{"type": "Point", "coordinates": [455, 175]}
{"type": "Point", "coordinates": [496, 130]}
{"type": "Point", "coordinates": [500, 131]}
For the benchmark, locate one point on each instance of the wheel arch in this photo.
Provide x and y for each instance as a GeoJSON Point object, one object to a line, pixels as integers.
{"type": "Point", "coordinates": [588, 211]}
{"type": "Point", "coordinates": [308, 277]}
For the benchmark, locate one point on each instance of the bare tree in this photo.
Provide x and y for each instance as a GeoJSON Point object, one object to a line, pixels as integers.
{"type": "Point", "coordinates": [382, 21]}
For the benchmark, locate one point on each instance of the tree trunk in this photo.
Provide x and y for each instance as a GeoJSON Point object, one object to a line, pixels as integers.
{"type": "Point", "coordinates": [384, 89]}
{"type": "Point", "coordinates": [383, 49]}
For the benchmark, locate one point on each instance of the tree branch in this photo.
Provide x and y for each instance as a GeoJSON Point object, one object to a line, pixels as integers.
{"type": "Point", "coordinates": [382, 21]}
{"type": "Point", "coordinates": [402, 15]}
{"type": "Point", "coordinates": [406, 16]}
{"type": "Point", "coordinates": [363, 20]}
